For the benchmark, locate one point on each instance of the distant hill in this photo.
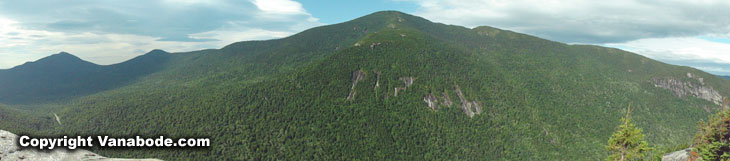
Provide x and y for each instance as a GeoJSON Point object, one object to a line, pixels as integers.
{"type": "Point", "coordinates": [385, 86]}
{"type": "Point", "coordinates": [726, 77]}
{"type": "Point", "coordinates": [63, 76]}
{"type": "Point", "coordinates": [24, 121]}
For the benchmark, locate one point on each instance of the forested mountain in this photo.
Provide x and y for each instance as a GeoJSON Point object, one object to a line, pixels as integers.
{"type": "Point", "coordinates": [391, 86]}
{"type": "Point", "coordinates": [63, 76]}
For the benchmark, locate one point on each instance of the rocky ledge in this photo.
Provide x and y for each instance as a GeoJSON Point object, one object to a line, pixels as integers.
{"type": "Point", "coordinates": [682, 155]}
{"type": "Point", "coordinates": [9, 150]}
{"type": "Point", "coordinates": [686, 88]}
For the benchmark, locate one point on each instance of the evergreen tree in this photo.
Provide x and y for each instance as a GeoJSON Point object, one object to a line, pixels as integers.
{"type": "Point", "coordinates": [627, 143]}
{"type": "Point", "coordinates": [713, 140]}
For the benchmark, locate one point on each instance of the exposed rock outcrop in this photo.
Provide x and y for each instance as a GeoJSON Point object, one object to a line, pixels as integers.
{"type": "Point", "coordinates": [682, 155]}
{"type": "Point", "coordinates": [702, 80]}
{"type": "Point", "coordinates": [57, 119]}
{"type": "Point", "coordinates": [357, 76]}
{"type": "Point", "coordinates": [9, 151]}
{"type": "Point", "coordinates": [477, 107]}
{"type": "Point", "coordinates": [447, 101]}
{"type": "Point", "coordinates": [373, 45]}
{"type": "Point", "coordinates": [407, 81]}
{"type": "Point", "coordinates": [686, 88]}
{"type": "Point", "coordinates": [466, 105]}
{"type": "Point", "coordinates": [377, 79]}
{"type": "Point", "coordinates": [431, 100]}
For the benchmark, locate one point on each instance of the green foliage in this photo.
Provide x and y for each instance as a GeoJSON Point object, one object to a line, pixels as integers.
{"type": "Point", "coordinates": [712, 142]}
{"type": "Point", "coordinates": [627, 143]}
{"type": "Point", "coordinates": [23, 121]}
{"type": "Point", "coordinates": [285, 99]}
{"type": "Point", "coordinates": [64, 76]}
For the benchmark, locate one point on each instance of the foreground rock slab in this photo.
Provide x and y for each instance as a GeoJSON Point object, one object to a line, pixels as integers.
{"type": "Point", "coordinates": [682, 155]}
{"type": "Point", "coordinates": [9, 152]}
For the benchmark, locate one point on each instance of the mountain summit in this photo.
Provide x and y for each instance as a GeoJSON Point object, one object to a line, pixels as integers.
{"type": "Point", "coordinates": [63, 76]}
{"type": "Point", "coordinates": [388, 86]}
{"type": "Point", "coordinates": [61, 60]}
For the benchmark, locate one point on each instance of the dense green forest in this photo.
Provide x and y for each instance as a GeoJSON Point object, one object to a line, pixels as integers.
{"type": "Point", "coordinates": [287, 99]}
{"type": "Point", "coordinates": [64, 76]}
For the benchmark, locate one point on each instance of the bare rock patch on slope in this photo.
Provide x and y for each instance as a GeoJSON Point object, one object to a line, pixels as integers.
{"type": "Point", "coordinates": [683, 89]}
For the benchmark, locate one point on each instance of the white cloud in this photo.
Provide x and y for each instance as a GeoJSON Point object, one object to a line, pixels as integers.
{"type": "Point", "coordinates": [702, 54]}
{"type": "Point", "coordinates": [586, 21]}
{"type": "Point", "coordinates": [280, 6]}
{"type": "Point", "coordinates": [682, 48]}
{"type": "Point", "coordinates": [237, 35]}
{"type": "Point", "coordinates": [108, 32]}
{"type": "Point", "coordinates": [106, 48]}
{"type": "Point", "coordinates": [665, 30]}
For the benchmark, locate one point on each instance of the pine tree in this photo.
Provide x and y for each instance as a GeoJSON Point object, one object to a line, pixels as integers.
{"type": "Point", "coordinates": [712, 142]}
{"type": "Point", "coordinates": [627, 143]}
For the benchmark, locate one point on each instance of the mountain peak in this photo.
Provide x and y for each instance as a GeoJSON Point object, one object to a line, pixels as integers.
{"type": "Point", "coordinates": [56, 60]}
{"type": "Point", "coordinates": [63, 54]}
{"type": "Point", "coordinates": [61, 57]}
{"type": "Point", "coordinates": [389, 12]}
{"type": "Point", "coordinates": [390, 16]}
{"type": "Point", "coordinates": [158, 51]}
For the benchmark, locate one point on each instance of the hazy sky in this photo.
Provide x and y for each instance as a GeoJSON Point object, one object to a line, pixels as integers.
{"type": "Point", "coordinates": [692, 33]}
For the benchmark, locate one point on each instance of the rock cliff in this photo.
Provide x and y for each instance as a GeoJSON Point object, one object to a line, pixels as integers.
{"type": "Point", "coordinates": [683, 89]}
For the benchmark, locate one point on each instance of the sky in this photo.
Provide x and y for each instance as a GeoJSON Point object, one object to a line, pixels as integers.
{"type": "Point", "coordinates": [690, 33]}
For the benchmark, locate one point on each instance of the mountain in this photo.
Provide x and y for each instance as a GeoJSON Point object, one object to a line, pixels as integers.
{"type": "Point", "coordinates": [24, 121]}
{"type": "Point", "coordinates": [395, 86]}
{"type": "Point", "coordinates": [64, 76]}
{"type": "Point", "coordinates": [726, 77]}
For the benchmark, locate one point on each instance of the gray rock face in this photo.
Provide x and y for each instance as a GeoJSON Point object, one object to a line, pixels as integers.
{"type": "Point", "coordinates": [357, 76]}
{"type": "Point", "coordinates": [682, 155]}
{"type": "Point", "coordinates": [447, 101]}
{"type": "Point", "coordinates": [470, 108]}
{"type": "Point", "coordinates": [684, 88]}
{"type": "Point", "coordinates": [431, 100]}
{"type": "Point", "coordinates": [377, 79]}
{"type": "Point", "coordinates": [407, 81]}
{"type": "Point", "coordinates": [9, 151]}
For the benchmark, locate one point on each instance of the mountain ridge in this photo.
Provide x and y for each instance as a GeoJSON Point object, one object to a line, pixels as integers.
{"type": "Point", "coordinates": [366, 88]}
{"type": "Point", "coordinates": [63, 76]}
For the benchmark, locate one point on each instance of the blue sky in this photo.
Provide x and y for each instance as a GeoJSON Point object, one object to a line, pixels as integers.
{"type": "Point", "coordinates": [336, 11]}
{"type": "Point", "coordinates": [690, 33]}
